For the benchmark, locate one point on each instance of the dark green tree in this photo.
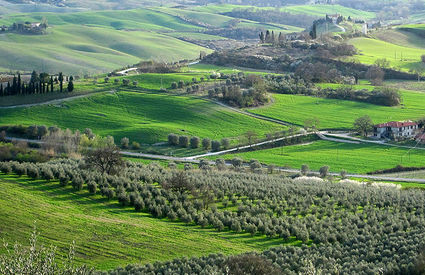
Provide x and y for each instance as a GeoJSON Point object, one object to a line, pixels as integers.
{"type": "Point", "coordinates": [71, 84]}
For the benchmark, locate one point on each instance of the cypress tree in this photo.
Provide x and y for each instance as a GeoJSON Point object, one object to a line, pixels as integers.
{"type": "Point", "coordinates": [8, 88]}
{"type": "Point", "coordinates": [14, 86]}
{"type": "Point", "coordinates": [51, 83]}
{"type": "Point", "coordinates": [71, 84]}
{"type": "Point", "coordinates": [1, 89]}
{"type": "Point", "coordinates": [61, 82]}
{"type": "Point", "coordinates": [19, 84]}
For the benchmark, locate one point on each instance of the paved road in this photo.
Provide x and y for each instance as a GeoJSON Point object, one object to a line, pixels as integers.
{"type": "Point", "coordinates": [54, 101]}
{"type": "Point", "coordinates": [244, 147]}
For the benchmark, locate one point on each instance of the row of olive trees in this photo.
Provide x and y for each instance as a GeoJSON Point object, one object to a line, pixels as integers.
{"type": "Point", "coordinates": [196, 142]}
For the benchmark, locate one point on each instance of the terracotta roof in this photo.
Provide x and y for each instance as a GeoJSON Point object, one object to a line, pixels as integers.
{"type": "Point", "coordinates": [396, 124]}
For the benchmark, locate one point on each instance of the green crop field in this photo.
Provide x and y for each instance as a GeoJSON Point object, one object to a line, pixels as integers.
{"type": "Point", "coordinates": [402, 57]}
{"type": "Point", "coordinates": [355, 158]}
{"type": "Point", "coordinates": [143, 117]}
{"type": "Point", "coordinates": [106, 234]}
{"type": "Point", "coordinates": [340, 114]}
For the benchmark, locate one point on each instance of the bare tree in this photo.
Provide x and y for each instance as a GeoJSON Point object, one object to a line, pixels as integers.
{"type": "Point", "coordinates": [106, 159]}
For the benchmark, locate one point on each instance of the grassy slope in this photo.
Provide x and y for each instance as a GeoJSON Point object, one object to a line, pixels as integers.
{"type": "Point", "coordinates": [106, 234]}
{"type": "Point", "coordinates": [312, 10]}
{"type": "Point", "coordinates": [322, 10]}
{"type": "Point", "coordinates": [89, 42]}
{"type": "Point", "coordinates": [144, 117]}
{"type": "Point", "coordinates": [355, 158]}
{"type": "Point", "coordinates": [340, 114]}
{"type": "Point", "coordinates": [373, 49]}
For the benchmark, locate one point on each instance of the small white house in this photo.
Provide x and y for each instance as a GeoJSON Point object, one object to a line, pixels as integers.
{"type": "Point", "coordinates": [396, 130]}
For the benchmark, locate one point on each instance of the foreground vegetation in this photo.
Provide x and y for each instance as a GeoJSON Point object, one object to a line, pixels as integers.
{"type": "Point", "coordinates": [106, 234]}
{"type": "Point", "coordinates": [266, 207]}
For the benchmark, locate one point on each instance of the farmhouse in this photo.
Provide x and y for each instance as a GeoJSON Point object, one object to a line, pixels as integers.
{"type": "Point", "coordinates": [396, 130]}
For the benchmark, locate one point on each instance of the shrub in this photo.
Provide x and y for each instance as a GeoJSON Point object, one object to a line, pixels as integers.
{"type": "Point", "coordinates": [139, 205]}
{"type": "Point", "coordinates": [64, 180]}
{"type": "Point", "coordinates": [324, 171]}
{"type": "Point", "coordinates": [125, 82]}
{"type": "Point", "coordinates": [125, 142]}
{"type": "Point", "coordinates": [174, 85]}
{"type": "Point", "coordinates": [135, 145]}
{"type": "Point", "coordinates": [225, 142]}
{"type": "Point", "coordinates": [206, 143]}
{"type": "Point", "coordinates": [304, 169]}
{"type": "Point", "coordinates": [184, 141]}
{"type": "Point", "coordinates": [181, 84]}
{"type": "Point", "coordinates": [237, 162]}
{"type": "Point", "coordinates": [92, 186]}
{"type": "Point", "coordinates": [194, 142]}
{"type": "Point", "coordinates": [77, 183]}
{"type": "Point", "coordinates": [173, 139]}
{"type": "Point", "coordinates": [216, 145]}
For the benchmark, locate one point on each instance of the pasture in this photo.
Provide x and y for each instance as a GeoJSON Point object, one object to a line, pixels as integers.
{"type": "Point", "coordinates": [140, 116]}
{"type": "Point", "coordinates": [354, 158]}
{"type": "Point", "coordinates": [401, 57]}
{"type": "Point", "coordinates": [107, 235]}
{"type": "Point", "coordinates": [340, 114]}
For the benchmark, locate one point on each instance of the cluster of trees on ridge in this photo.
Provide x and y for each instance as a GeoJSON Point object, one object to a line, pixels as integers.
{"type": "Point", "coordinates": [38, 84]}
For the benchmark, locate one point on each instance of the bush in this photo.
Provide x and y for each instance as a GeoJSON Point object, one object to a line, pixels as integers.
{"type": "Point", "coordinates": [135, 145]}
{"type": "Point", "coordinates": [77, 183]}
{"type": "Point", "coordinates": [194, 142]}
{"type": "Point", "coordinates": [125, 142]}
{"type": "Point", "coordinates": [184, 141]}
{"type": "Point", "coordinates": [206, 143]}
{"type": "Point", "coordinates": [92, 186]}
{"type": "Point", "coordinates": [237, 162]}
{"type": "Point", "coordinates": [174, 85]}
{"type": "Point", "coordinates": [125, 82]}
{"type": "Point", "coordinates": [181, 84]}
{"type": "Point", "coordinates": [173, 139]}
{"type": "Point", "coordinates": [216, 145]}
{"type": "Point", "coordinates": [225, 142]}
{"type": "Point", "coordinates": [324, 171]}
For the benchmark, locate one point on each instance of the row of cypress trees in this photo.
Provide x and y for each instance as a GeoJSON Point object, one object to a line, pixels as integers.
{"type": "Point", "coordinates": [39, 84]}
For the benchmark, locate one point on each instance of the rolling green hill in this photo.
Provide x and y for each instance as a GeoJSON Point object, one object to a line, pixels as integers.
{"type": "Point", "coordinates": [142, 117]}
{"type": "Point", "coordinates": [94, 42]}
{"type": "Point", "coordinates": [340, 114]}
{"type": "Point", "coordinates": [312, 10]}
{"type": "Point", "coordinates": [402, 57]}
{"type": "Point", "coordinates": [106, 234]}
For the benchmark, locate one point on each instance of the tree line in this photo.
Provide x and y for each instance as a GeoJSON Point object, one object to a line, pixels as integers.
{"type": "Point", "coordinates": [42, 83]}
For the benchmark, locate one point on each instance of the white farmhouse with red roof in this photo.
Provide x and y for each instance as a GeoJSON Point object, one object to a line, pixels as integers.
{"type": "Point", "coordinates": [396, 130]}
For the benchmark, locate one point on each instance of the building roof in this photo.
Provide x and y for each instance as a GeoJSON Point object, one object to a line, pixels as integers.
{"type": "Point", "coordinates": [396, 124]}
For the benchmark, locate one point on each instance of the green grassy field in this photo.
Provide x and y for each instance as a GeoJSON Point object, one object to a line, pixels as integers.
{"type": "Point", "coordinates": [143, 117]}
{"type": "Point", "coordinates": [355, 158]}
{"type": "Point", "coordinates": [81, 49]}
{"type": "Point", "coordinates": [312, 10]}
{"type": "Point", "coordinates": [106, 234]}
{"type": "Point", "coordinates": [322, 10]}
{"type": "Point", "coordinates": [340, 114]}
{"type": "Point", "coordinates": [400, 57]}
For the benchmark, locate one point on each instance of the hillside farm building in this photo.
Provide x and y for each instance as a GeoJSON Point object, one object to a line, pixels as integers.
{"type": "Point", "coordinates": [396, 130]}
